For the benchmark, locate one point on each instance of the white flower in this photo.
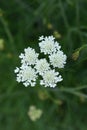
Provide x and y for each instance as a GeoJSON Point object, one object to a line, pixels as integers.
{"type": "Point", "coordinates": [27, 75]}
{"type": "Point", "coordinates": [29, 57]}
{"type": "Point", "coordinates": [32, 66]}
{"type": "Point", "coordinates": [16, 70]}
{"type": "Point", "coordinates": [57, 46]}
{"type": "Point", "coordinates": [58, 59]}
{"type": "Point", "coordinates": [48, 45]}
{"type": "Point", "coordinates": [34, 113]}
{"type": "Point", "coordinates": [41, 38]}
{"type": "Point", "coordinates": [42, 66]}
{"type": "Point", "coordinates": [50, 78]}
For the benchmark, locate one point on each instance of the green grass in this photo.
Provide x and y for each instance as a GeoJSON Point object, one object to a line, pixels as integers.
{"type": "Point", "coordinates": [21, 23]}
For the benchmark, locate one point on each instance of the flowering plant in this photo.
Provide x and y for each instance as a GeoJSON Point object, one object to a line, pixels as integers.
{"type": "Point", "coordinates": [32, 66]}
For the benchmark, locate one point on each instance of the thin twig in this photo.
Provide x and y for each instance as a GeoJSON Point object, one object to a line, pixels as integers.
{"type": "Point", "coordinates": [63, 14]}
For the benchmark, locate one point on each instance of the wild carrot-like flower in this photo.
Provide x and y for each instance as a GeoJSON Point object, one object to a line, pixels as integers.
{"type": "Point", "coordinates": [58, 59]}
{"type": "Point", "coordinates": [34, 113]}
{"type": "Point", "coordinates": [29, 56]}
{"type": "Point", "coordinates": [33, 67]}
{"type": "Point", "coordinates": [51, 78]}
{"type": "Point", "coordinates": [27, 75]}
{"type": "Point", "coordinates": [42, 66]}
{"type": "Point", "coordinates": [48, 45]}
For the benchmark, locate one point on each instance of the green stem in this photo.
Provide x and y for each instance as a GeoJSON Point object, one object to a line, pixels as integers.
{"type": "Point", "coordinates": [79, 94]}
{"type": "Point", "coordinates": [82, 47]}
{"type": "Point", "coordinates": [8, 33]}
{"type": "Point", "coordinates": [73, 91]}
{"type": "Point", "coordinates": [63, 14]}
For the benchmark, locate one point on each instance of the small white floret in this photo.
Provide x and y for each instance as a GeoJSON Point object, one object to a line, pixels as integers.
{"type": "Point", "coordinates": [27, 75]}
{"type": "Point", "coordinates": [48, 45]}
{"type": "Point", "coordinates": [29, 57]}
{"type": "Point", "coordinates": [16, 70]}
{"type": "Point", "coordinates": [58, 59]}
{"type": "Point", "coordinates": [50, 78]}
{"type": "Point", "coordinates": [41, 66]}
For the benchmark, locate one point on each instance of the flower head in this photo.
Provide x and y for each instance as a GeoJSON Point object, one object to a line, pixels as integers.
{"type": "Point", "coordinates": [50, 78]}
{"type": "Point", "coordinates": [41, 38]}
{"type": "Point", "coordinates": [27, 75]}
{"type": "Point", "coordinates": [29, 57]}
{"type": "Point", "coordinates": [34, 113]}
{"type": "Point", "coordinates": [41, 66]}
{"type": "Point", "coordinates": [32, 66]}
{"type": "Point", "coordinates": [58, 59]}
{"type": "Point", "coordinates": [48, 45]}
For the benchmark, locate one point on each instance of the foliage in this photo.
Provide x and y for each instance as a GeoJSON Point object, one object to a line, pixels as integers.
{"type": "Point", "coordinates": [21, 23]}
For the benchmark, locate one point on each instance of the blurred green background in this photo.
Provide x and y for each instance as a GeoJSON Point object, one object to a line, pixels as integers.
{"type": "Point", "coordinates": [21, 23]}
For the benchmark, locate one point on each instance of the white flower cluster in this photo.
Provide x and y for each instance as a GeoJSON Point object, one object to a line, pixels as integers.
{"type": "Point", "coordinates": [48, 45]}
{"type": "Point", "coordinates": [27, 75]}
{"type": "Point", "coordinates": [29, 57]}
{"type": "Point", "coordinates": [32, 66]}
{"type": "Point", "coordinates": [34, 113]}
